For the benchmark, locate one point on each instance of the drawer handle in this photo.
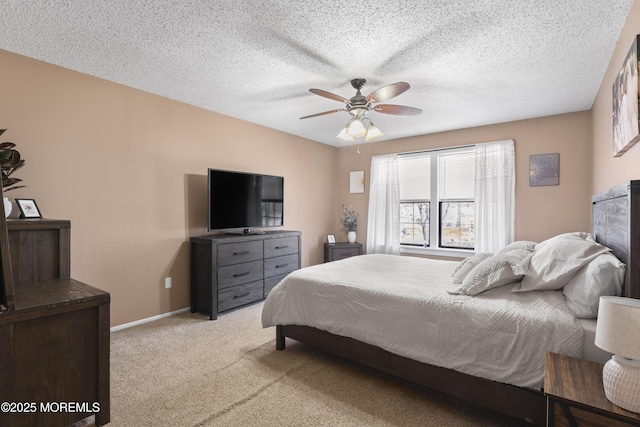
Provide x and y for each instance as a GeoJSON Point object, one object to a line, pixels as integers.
{"type": "Point", "coordinates": [241, 295]}
{"type": "Point", "coordinates": [282, 265]}
{"type": "Point", "coordinates": [241, 274]}
{"type": "Point", "coordinates": [282, 247]}
{"type": "Point", "coordinates": [241, 253]}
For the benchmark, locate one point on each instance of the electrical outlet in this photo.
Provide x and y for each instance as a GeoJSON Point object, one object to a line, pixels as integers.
{"type": "Point", "coordinates": [167, 282]}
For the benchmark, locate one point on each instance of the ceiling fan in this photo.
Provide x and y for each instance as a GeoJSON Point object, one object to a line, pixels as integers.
{"type": "Point", "coordinates": [358, 105]}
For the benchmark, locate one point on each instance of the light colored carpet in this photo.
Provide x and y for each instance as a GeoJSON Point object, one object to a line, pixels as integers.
{"type": "Point", "coordinates": [186, 370]}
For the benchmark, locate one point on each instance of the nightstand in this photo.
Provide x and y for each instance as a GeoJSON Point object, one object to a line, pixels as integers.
{"type": "Point", "coordinates": [341, 250]}
{"type": "Point", "coordinates": [575, 395]}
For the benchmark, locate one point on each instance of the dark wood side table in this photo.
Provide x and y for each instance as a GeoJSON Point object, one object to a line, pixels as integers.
{"type": "Point", "coordinates": [341, 250]}
{"type": "Point", "coordinates": [575, 395]}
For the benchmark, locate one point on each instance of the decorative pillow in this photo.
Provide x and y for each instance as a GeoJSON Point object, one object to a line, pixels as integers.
{"type": "Point", "coordinates": [495, 271]}
{"type": "Point", "coordinates": [525, 245]}
{"type": "Point", "coordinates": [556, 260]}
{"type": "Point", "coordinates": [466, 265]}
{"type": "Point", "coordinates": [604, 276]}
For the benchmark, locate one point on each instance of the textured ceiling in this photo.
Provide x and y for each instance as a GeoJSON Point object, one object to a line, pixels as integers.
{"type": "Point", "coordinates": [469, 63]}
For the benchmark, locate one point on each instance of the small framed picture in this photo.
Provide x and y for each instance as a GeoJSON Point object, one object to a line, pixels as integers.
{"type": "Point", "coordinates": [331, 238]}
{"type": "Point", "coordinates": [356, 182]}
{"type": "Point", "coordinates": [28, 208]}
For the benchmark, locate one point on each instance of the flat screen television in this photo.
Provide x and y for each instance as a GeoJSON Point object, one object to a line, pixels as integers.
{"type": "Point", "coordinates": [240, 201]}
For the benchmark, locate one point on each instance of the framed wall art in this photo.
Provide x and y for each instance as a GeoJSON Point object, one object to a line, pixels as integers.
{"type": "Point", "coordinates": [544, 169]}
{"type": "Point", "coordinates": [625, 103]}
{"type": "Point", "coordinates": [356, 182]}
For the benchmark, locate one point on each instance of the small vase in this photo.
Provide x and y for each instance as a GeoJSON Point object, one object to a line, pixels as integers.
{"type": "Point", "coordinates": [351, 236]}
{"type": "Point", "coordinates": [7, 207]}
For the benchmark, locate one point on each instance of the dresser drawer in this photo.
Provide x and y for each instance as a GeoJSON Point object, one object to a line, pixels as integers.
{"type": "Point", "coordinates": [280, 265]}
{"type": "Point", "coordinates": [236, 274]}
{"type": "Point", "coordinates": [271, 282]}
{"type": "Point", "coordinates": [281, 246]}
{"type": "Point", "coordinates": [235, 253]}
{"type": "Point", "coordinates": [236, 296]}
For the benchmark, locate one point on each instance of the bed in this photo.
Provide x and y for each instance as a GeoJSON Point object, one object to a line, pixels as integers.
{"type": "Point", "coordinates": [494, 358]}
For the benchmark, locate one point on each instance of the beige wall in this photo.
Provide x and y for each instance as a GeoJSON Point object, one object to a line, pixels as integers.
{"type": "Point", "coordinates": [541, 212]}
{"type": "Point", "coordinates": [128, 169]}
{"type": "Point", "coordinates": [608, 170]}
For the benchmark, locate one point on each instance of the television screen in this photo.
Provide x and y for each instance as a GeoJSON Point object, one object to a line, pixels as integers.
{"type": "Point", "coordinates": [244, 200]}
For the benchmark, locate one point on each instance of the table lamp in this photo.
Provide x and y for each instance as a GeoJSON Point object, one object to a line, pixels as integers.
{"type": "Point", "coordinates": [618, 332]}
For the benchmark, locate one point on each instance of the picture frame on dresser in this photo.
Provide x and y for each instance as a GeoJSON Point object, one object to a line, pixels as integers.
{"type": "Point", "coordinates": [28, 208]}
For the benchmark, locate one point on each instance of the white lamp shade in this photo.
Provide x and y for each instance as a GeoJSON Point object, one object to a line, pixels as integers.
{"type": "Point", "coordinates": [618, 332]}
{"type": "Point", "coordinates": [355, 128]}
{"type": "Point", "coordinates": [344, 135]}
{"type": "Point", "coordinates": [373, 132]}
{"type": "Point", "coordinates": [618, 326]}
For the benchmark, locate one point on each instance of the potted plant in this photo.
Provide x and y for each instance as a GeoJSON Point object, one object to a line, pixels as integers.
{"type": "Point", "coordinates": [349, 220]}
{"type": "Point", "coordinates": [10, 162]}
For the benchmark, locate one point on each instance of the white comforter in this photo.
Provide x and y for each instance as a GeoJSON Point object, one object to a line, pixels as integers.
{"type": "Point", "coordinates": [401, 305]}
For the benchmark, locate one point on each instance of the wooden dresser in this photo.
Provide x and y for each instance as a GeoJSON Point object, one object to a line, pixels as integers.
{"type": "Point", "coordinates": [229, 271]}
{"type": "Point", "coordinates": [54, 331]}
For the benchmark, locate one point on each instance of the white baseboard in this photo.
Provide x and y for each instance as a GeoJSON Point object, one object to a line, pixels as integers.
{"type": "Point", "coordinates": [148, 319]}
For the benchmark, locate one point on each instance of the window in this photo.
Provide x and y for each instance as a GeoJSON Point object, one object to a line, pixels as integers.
{"type": "Point", "coordinates": [437, 198]}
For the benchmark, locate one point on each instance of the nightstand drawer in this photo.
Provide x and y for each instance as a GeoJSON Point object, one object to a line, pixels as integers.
{"type": "Point", "coordinates": [342, 253]}
{"type": "Point", "coordinates": [237, 274]}
{"type": "Point", "coordinates": [236, 253]}
{"type": "Point", "coordinates": [341, 250]}
{"type": "Point", "coordinates": [239, 295]}
{"type": "Point", "coordinates": [582, 418]}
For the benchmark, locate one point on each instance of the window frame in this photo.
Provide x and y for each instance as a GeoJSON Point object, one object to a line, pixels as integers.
{"type": "Point", "coordinates": [434, 205]}
{"type": "Point", "coordinates": [414, 202]}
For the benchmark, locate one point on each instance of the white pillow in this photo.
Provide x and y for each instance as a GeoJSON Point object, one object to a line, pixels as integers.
{"type": "Point", "coordinates": [495, 271]}
{"type": "Point", "coordinates": [575, 235]}
{"type": "Point", "coordinates": [525, 245]}
{"type": "Point", "coordinates": [556, 260]}
{"type": "Point", "coordinates": [604, 276]}
{"type": "Point", "coordinates": [466, 265]}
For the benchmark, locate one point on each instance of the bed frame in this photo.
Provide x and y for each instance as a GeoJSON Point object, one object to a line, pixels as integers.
{"type": "Point", "coordinates": [616, 223]}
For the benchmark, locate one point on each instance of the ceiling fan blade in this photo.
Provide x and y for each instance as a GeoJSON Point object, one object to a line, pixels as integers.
{"type": "Point", "coordinates": [329, 95]}
{"type": "Point", "coordinates": [400, 110]}
{"type": "Point", "coordinates": [388, 92]}
{"type": "Point", "coordinates": [321, 114]}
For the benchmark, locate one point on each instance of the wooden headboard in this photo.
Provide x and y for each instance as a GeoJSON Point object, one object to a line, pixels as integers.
{"type": "Point", "coordinates": [616, 224]}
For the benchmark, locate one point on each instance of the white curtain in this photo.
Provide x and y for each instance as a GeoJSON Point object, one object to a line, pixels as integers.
{"type": "Point", "coordinates": [495, 195]}
{"type": "Point", "coordinates": [383, 225]}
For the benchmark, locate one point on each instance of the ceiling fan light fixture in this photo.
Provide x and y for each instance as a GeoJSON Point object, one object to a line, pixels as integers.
{"type": "Point", "coordinates": [373, 132]}
{"type": "Point", "coordinates": [344, 135]}
{"type": "Point", "coordinates": [355, 128]}
{"type": "Point", "coordinates": [358, 106]}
